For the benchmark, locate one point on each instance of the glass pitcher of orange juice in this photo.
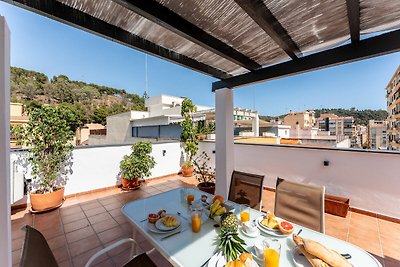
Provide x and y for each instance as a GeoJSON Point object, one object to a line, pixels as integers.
{"type": "Point", "coordinates": [272, 254]}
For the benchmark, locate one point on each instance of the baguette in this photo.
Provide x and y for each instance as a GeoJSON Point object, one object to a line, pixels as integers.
{"type": "Point", "coordinates": [314, 261]}
{"type": "Point", "coordinates": [329, 256]}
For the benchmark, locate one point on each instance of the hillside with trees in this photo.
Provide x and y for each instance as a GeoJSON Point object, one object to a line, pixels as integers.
{"type": "Point", "coordinates": [91, 103]}
{"type": "Point", "coordinates": [360, 116]}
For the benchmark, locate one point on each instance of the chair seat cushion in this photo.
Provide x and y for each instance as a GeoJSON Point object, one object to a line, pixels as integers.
{"type": "Point", "coordinates": [141, 260]}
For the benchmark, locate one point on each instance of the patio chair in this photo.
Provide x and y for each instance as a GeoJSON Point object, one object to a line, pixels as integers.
{"type": "Point", "coordinates": [37, 253]}
{"type": "Point", "coordinates": [246, 188]}
{"type": "Point", "coordinates": [302, 204]}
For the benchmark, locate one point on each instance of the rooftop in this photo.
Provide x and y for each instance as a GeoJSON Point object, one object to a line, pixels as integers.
{"type": "Point", "coordinates": [86, 223]}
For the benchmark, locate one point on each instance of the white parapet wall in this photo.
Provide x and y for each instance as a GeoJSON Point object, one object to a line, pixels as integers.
{"type": "Point", "coordinates": [98, 167]}
{"type": "Point", "coordinates": [369, 179]}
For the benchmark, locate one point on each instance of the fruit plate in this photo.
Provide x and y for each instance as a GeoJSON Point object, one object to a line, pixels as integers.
{"type": "Point", "coordinates": [152, 228]}
{"type": "Point", "coordinates": [273, 232]}
{"type": "Point", "coordinates": [160, 226]}
{"type": "Point", "coordinates": [218, 260]}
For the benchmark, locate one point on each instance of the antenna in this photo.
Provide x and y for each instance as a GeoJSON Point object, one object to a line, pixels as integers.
{"type": "Point", "coordinates": [146, 90]}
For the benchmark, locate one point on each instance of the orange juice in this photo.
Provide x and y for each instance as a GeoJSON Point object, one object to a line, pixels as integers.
{"type": "Point", "coordinates": [244, 216]}
{"type": "Point", "coordinates": [271, 257]}
{"type": "Point", "coordinates": [189, 199]}
{"type": "Point", "coordinates": [196, 222]}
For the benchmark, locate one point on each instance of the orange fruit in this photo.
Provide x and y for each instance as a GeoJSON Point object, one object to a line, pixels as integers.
{"type": "Point", "coordinates": [218, 197]}
{"type": "Point", "coordinates": [286, 228]}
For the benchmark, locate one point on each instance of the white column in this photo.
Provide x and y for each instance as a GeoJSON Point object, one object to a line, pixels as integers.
{"type": "Point", "coordinates": [5, 216]}
{"type": "Point", "coordinates": [224, 160]}
{"type": "Point", "coordinates": [255, 125]}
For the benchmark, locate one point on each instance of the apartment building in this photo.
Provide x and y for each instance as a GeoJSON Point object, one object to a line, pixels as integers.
{"type": "Point", "coordinates": [302, 120]}
{"type": "Point", "coordinates": [17, 117]}
{"type": "Point", "coordinates": [393, 109]}
{"type": "Point", "coordinates": [337, 126]}
{"type": "Point", "coordinates": [377, 134]}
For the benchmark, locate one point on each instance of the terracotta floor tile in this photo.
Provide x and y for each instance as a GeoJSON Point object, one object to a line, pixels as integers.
{"type": "Point", "coordinates": [61, 254]}
{"type": "Point", "coordinates": [108, 200]}
{"type": "Point", "coordinates": [146, 245]}
{"type": "Point", "coordinates": [159, 259]}
{"type": "Point", "coordinates": [83, 245]}
{"type": "Point", "coordinates": [17, 243]}
{"type": "Point", "coordinates": [66, 263]}
{"type": "Point", "coordinates": [115, 212]}
{"type": "Point", "coordinates": [121, 258]}
{"type": "Point", "coordinates": [16, 256]}
{"type": "Point", "coordinates": [70, 210]}
{"type": "Point", "coordinates": [90, 205]}
{"type": "Point", "coordinates": [391, 246]}
{"type": "Point", "coordinates": [79, 234]}
{"type": "Point", "coordinates": [113, 206]}
{"type": "Point", "coordinates": [57, 242]}
{"type": "Point", "coordinates": [112, 234]}
{"type": "Point", "coordinates": [52, 232]}
{"type": "Point", "coordinates": [71, 201]}
{"type": "Point", "coordinates": [17, 233]}
{"type": "Point", "coordinates": [121, 248]}
{"type": "Point", "coordinates": [72, 226]}
{"type": "Point", "coordinates": [106, 263]}
{"type": "Point", "coordinates": [392, 263]}
{"type": "Point", "coordinates": [73, 217]}
{"type": "Point", "coordinates": [121, 219]}
{"type": "Point", "coordinates": [95, 211]}
{"type": "Point", "coordinates": [104, 225]}
{"type": "Point", "coordinates": [81, 260]}
{"type": "Point", "coordinates": [85, 198]}
{"type": "Point", "coordinates": [99, 217]}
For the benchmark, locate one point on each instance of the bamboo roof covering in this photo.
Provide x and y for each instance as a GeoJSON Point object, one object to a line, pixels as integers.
{"type": "Point", "coordinates": [226, 38]}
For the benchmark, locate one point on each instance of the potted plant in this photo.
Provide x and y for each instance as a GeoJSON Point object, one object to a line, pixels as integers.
{"type": "Point", "coordinates": [137, 165]}
{"type": "Point", "coordinates": [204, 173]}
{"type": "Point", "coordinates": [48, 136]}
{"type": "Point", "coordinates": [211, 130]}
{"type": "Point", "coordinates": [188, 136]}
{"type": "Point", "coordinates": [201, 130]}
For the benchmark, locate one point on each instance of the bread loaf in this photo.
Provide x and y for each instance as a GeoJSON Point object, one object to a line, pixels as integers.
{"type": "Point", "coordinates": [314, 261]}
{"type": "Point", "coordinates": [329, 256]}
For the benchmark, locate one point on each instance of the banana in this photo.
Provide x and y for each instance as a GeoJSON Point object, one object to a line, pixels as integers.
{"type": "Point", "coordinates": [221, 210]}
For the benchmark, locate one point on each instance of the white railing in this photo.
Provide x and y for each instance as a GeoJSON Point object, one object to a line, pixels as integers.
{"type": "Point", "coordinates": [370, 179]}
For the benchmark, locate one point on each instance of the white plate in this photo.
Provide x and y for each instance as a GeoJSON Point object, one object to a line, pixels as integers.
{"type": "Point", "coordinates": [160, 226]}
{"type": "Point", "coordinates": [272, 232]}
{"type": "Point", "coordinates": [254, 234]}
{"type": "Point", "coordinates": [301, 261]}
{"type": "Point", "coordinates": [218, 260]}
{"type": "Point", "coordinates": [152, 228]}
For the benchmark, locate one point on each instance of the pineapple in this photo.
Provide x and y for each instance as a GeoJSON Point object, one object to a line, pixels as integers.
{"type": "Point", "coordinates": [229, 240]}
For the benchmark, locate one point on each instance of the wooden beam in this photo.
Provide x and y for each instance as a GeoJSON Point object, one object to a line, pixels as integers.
{"type": "Point", "coordinates": [372, 47]}
{"type": "Point", "coordinates": [259, 12]}
{"type": "Point", "coordinates": [168, 19]}
{"type": "Point", "coordinates": [353, 14]}
{"type": "Point", "coordinates": [76, 18]}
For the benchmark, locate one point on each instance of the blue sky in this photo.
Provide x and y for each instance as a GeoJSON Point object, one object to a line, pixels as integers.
{"type": "Point", "coordinates": [47, 46]}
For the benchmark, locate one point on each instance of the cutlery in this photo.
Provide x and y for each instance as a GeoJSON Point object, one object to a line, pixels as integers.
{"type": "Point", "coordinates": [143, 220]}
{"type": "Point", "coordinates": [301, 230]}
{"type": "Point", "coordinates": [168, 236]}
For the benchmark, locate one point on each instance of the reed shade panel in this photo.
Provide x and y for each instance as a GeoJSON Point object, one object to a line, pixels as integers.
{"type": "Point", "coordinates": [312, 25]}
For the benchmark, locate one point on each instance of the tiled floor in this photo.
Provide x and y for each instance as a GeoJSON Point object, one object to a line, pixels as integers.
{"type": "Point", "coordinates": [87, 223]}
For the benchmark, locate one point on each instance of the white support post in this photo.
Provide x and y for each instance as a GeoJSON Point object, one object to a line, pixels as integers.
{"type": "Point", "coordinates": [255, 125]}
{"type": "Point", "coordinates": [5, 212]}
{"type": "Point", "coordinates": [224, 159]}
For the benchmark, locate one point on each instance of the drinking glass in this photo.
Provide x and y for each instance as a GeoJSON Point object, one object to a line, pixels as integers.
{"type": "Point", "coordinates": [244, 213]}
{"type": "Point", "coordinates": [272, 254]}
{"type": "Point", "coordinates": [190, 198]}
{"type": "Point", "coordinates": [196, 219]}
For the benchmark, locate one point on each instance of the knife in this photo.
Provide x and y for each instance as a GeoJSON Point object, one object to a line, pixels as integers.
{"type": "Point", "coordinates": [165, 237]}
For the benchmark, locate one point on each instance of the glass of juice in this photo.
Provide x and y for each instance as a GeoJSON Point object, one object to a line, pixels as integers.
{"type": "Point", "coordinates": [196, 220]}
{"type": "Point", "coordinates": [190, 198]}
{"type": "Point", "coordinates": [244, 213]}
{"type": "Point", "coordinates": [272, 254]}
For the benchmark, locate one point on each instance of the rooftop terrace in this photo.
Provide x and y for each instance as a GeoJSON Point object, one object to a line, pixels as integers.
{"type": "Point", "coordinates": [87, 223]}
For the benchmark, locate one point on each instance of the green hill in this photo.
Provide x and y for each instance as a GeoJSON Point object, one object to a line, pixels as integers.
{"type": "Point", "coordinates": [91, 103]}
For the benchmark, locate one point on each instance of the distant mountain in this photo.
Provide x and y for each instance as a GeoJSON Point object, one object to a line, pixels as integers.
{"type": "Point", "coordinates": [89, 102]}
{"type": "Point", "coordinates": [360, 116]}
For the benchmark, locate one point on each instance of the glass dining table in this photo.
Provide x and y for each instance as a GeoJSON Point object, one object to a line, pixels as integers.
{"type": "Point", "coordinates": [186, 248]}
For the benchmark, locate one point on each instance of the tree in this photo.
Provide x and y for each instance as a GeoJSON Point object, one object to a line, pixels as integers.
{"type": "Point", "coordinates": [48, 135]}
{"type": "Point", "coordinates": [189, 131]}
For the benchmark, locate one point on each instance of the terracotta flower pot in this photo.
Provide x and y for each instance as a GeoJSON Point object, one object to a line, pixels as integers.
{"type": "Point", "coordinates": [47, 201]}
{"type": "Point", "coordinates": [187, 171]}
{"type": "Point", "coordinates": [128, 184]}
{"type": "Point", "coordinates": [207, 187]}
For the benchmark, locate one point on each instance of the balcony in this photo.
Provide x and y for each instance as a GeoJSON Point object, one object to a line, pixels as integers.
{"type": "Point", "coordinates": [91, 219]}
